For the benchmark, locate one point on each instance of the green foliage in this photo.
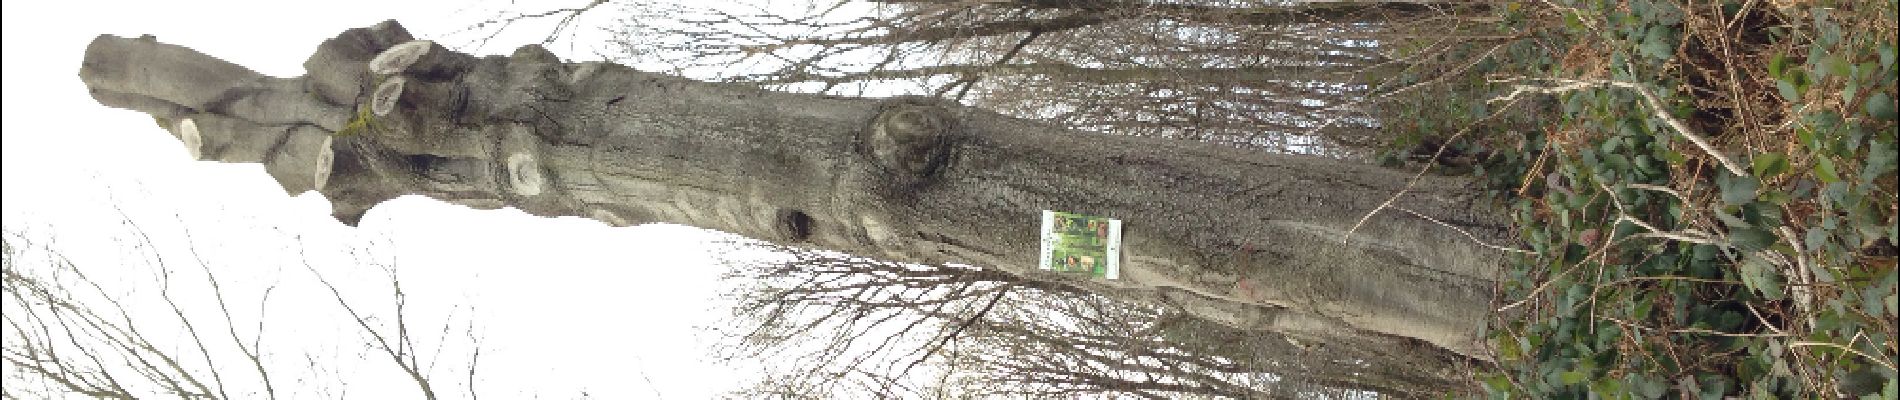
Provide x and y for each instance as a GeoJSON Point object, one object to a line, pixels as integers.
{"type": "Point", "coordinates": [1658, 273]}
{"type": "Point", "coordinates": [364, 121]}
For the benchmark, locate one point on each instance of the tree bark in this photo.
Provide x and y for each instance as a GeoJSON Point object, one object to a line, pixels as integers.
{"type": "Point", "coordinates": [1254, 241]}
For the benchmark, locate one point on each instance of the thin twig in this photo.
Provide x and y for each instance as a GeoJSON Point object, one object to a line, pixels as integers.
{"type": "Point", "coordinates": [1670, 278]}
{"type": "Point", "coordinates": [1803, 275]}
{"type": "Point", "coordinates": [1698, 331]}
{"type": "Point", "coordinates": [1622, 214]}
{"type": "Point", "coordinates": [1763, 320]}
{"type": "Point", "coordinates": [1658, 188]}
{"type": "Point", "coordinates": [1882, 363]}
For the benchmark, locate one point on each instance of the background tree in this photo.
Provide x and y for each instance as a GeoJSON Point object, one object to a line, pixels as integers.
{"type": "Point", "coordinates": [170, 328]}
{"type": "Point", "coordinates": [901, 179]}
{"type": "Point", "coordinates": [1282, 76]}
{"type": "Point", "coordinates": [828, 325]}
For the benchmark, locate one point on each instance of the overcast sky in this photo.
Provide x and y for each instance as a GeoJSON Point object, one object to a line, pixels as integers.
{"type": "Point", "coordinates": [565, 307]}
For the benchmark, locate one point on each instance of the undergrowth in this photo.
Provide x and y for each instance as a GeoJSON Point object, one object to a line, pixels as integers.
{"type": "Point", "coordinates": [1759, 263]}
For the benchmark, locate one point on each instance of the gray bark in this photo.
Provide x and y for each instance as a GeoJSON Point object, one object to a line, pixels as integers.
{"type": "Point", "coordinates": [1251, 240]}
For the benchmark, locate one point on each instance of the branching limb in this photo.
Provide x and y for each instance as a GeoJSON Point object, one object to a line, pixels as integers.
{"type": "Point", "coordinates": [394, 351]}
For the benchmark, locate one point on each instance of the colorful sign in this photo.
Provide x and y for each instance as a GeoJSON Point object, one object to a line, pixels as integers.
{"type": "Point", "coordinates": [1081, 244]}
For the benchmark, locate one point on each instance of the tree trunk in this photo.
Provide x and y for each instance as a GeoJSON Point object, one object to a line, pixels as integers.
{"type": "Point", "coordinates": [1251, 240]}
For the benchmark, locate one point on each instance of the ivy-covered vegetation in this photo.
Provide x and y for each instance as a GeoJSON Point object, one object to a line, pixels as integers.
{"type": "Point", "coordinates": [1706, 191]}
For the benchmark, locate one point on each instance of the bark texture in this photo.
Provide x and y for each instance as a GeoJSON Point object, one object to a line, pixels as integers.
{"type": "Point", "coordinates": [1251, 240]}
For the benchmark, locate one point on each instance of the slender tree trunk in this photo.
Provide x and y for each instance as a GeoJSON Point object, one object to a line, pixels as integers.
{"type": "Point", "coordinates": [1251, 240]}
{"type": "Point", "coordinates": [1304, 74]}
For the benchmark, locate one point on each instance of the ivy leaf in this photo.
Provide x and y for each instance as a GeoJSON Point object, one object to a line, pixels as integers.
{"type": "Point", "coordinates": [1674, 157]}
{"type": "Point", "coordinates": [1508, 349]}
{"type": "Point", "coordinates": [1666, 13]}
{"type": "Point", "coordinates": [1823, 275]}
{"type": "Point", "coordinates": [1713, 387]}
{"type": "Point", "coordinates": [1706, 252]}
{"type": "Point", "coordinates": [1732, 221]}
{"type": "Point", "coordinates": [1573, 377]}
{"type": "Point", "coordinates": [1648, 165]}
{"type": "Point", "coordinates": [1648, 387]}
{"type": "Point", "coordinates": [1761, 275]}
{"type": "Point", "coordinates": [1659, 43]}
{"type": "Point", "coordinates": [1830, 31]}
{"type": "Point", "coordinates": [1738, 190]}
{"type": "Point", "coordinates": [1770, 164]}
{"type": "Point", "coordinates": [1776, 63]}
{"type": "Point", "coordinates": [1497, 385]}
{"type": "Point", "coordinates": [1817, 237]}
{"type": "Point", "coordinates": [1836, 66]}
{"type": "Point", "coordinates": [1787, 88]}
{"type": "Point", "coordinates": [1805, 136]}
{"type": "Point", "coordinates": [1880, 105]}
{"type": "Point", "coordinates": [1887, 56]}
{"type": "Point", "coordinates": [1751, 239]}
{"type": "Point", "coordinates": [1617, 162]}
{"type": "Point", "coordinates": [1607, 386]}
{"type": "Point", "coordinates": [1824, 169]}
{"type": "Point", "coordinates": [1573, 296]}
{"type": "Point", "coordinates": [1882, 159]}
{"type": "Point", "coordinates": [1776, 197]}
{"type": "Point", "coordinates": [1642, 307]}
{"type": "Point", "coordinates": [1577, 252]}
{"type": "Point", "coordinates": [1873, 301]}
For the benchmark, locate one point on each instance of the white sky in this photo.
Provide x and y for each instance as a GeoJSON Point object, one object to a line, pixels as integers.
{"type": "Point", "coordinates": [567, 307]}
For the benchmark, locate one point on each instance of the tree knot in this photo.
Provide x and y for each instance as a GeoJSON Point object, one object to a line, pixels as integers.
{"type": "Point", "coordinates": [908, 137]}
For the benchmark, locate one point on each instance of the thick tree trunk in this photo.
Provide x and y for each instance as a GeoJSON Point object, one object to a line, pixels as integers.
{"type": "Point", "coordinates": [1251, 240]}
